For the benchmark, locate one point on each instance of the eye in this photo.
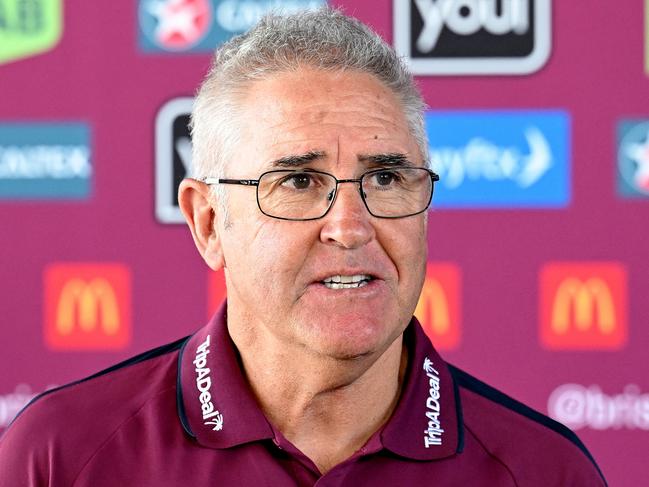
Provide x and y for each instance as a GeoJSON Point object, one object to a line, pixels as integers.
{"type": "Point", "coordinates": [386, 178]}
{"type": "Point", "coordinates": [299, 180]}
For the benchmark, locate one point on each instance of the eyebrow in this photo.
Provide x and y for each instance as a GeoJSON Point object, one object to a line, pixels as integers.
{"type": "Point", "coordinates": [390, 158]}
{"type": "Point", "coordinates": [298, 160]}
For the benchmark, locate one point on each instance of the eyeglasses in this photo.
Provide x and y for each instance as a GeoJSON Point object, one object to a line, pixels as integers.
{"type": "Point", "coordinates": [306, 194]}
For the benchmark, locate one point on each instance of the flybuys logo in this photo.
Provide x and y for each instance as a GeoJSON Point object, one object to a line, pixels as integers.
{"type": "Point", "coordinates": [633, 158]}
{"type": "Point", "coordinates": [29, 27]}
{"type": "Point", "coordinates": [45, 161]}
{"type": "Point", "coordinates": [508, 159]}
{"type": "Point", "coordinates": [211, 416]}
{"type": "Point", "coordinates": [201, 25]}
{"type": "Point", "coordinates": [473, 37]}
{"type": "Point", "coordinates": [579, 407]}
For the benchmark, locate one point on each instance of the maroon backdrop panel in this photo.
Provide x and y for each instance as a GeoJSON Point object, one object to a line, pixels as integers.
{"type": "Point", "coordinates": [546, 302]}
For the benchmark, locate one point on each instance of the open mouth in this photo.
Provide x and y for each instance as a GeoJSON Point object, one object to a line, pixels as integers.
{"type": "Point", "coordinates": [347, 282]}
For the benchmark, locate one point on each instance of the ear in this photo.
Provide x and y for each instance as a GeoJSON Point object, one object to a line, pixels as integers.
{"type": "Point", "coordinates": [194, 202]}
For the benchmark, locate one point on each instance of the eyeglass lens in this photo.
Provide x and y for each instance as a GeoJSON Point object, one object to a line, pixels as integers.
{"type": "Point", "coordinates": [302, 195]}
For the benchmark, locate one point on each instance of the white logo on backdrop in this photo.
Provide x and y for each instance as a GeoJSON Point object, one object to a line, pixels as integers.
{"type": "Point", "coordinates": [240, 15]}
{"type": "Point", "coordinates": [12, 403]}
{"type": "Point", "coordinates": [483, 159]}
{"type": "Point", "coordinates": [45, 161]}
{"type": "Point", "coordinates": [459, 18]}
{"type": "Point", "coordinates": [495, 37]}
{"type": "Point", "coordinates": [578, 407]}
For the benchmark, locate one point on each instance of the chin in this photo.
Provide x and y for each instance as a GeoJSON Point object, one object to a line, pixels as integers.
{"type": "Point", "coordinates": [351, 339]}
{"type": "Point", "coordinates": [346, 351]}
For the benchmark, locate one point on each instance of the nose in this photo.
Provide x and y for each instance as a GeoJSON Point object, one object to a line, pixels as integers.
{"type": "Point", "coordinates": [348, 224]}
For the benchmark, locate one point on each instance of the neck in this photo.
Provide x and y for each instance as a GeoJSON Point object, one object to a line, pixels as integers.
{"type": "Point", "coordinates": [327, 407]}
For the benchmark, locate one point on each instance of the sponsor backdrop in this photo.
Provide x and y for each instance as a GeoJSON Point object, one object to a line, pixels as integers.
{"type": "Point", "coordinates": [539, 128]}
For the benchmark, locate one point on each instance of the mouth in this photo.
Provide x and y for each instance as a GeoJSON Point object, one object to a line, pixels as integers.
{"type": "Point", "coordinates": [354, 281]}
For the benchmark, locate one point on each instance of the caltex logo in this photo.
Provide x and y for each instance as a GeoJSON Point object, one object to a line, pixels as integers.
{"type": "Point", "coordinates": [633, 158]}
{"type": "Point", "coordinates": [176, 25]}
{"type": "Point", "coordinates": [438, 309]}
{"type": "Point", "coordinates": [45, 160]}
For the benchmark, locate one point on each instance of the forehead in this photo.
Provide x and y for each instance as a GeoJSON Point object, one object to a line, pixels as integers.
{"type": "Point", "coordinates": [343, 115]}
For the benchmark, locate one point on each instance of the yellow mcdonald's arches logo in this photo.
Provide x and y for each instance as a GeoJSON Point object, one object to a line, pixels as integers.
{"type": "Point", "coordinates": [591, 304]}
{"type": "Point", "coordinates": [432, 307]}
{"type": "Point", "coordinates": [95, 304]}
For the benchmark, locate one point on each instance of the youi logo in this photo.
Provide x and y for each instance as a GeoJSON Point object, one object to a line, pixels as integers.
{"type": "Point", "coordinates": [440, 37]}
{"type": "Point", "coordinates": [500, 159]}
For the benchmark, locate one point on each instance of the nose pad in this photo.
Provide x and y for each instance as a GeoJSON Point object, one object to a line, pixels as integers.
{"type": "Point", "coordinates": [358, 205]}
{"type": "Point", "coordinates": [333, 194]}
{"type": "Point", "coordinates": [348, 225]}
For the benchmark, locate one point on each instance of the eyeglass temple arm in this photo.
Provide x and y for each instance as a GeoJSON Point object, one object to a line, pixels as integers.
{"type": "Point", "coordinates": [255, 182]}
{"type": "Point", "coordinates": [244, 182]}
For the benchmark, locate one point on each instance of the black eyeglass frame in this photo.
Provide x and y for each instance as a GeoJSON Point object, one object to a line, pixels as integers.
{"type": "Point", "coordinates": [255, 182]}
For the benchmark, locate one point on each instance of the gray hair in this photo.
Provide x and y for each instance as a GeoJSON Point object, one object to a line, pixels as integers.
{"type": "Point", "coordinates": [323, 39]}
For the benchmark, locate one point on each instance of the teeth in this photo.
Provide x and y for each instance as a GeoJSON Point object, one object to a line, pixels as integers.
{"type": "Point", "coordinates": [348, 279]}
{"type": "Point", "coordinates": [346, 282]}
{"type": "Point", "coordinates": [340, 285]}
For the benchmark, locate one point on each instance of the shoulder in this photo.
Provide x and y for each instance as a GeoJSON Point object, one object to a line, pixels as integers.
{"type": "Point", "coordinates": [59, 430]}
{"type": "Point", "coordinates": [536, 449]}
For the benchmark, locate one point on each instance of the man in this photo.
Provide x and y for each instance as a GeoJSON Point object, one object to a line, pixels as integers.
{"type": "Point", "coordinates": [311, 193]}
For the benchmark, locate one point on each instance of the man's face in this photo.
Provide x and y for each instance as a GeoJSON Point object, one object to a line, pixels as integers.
{"type": "Point", "coordinates": [274, 268]}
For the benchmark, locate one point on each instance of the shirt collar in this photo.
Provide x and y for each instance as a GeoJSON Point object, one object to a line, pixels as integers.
{"type": "Point", "coordinates": [215, 403]}
{"type": "Point", "coordinates": [217, 408]}
{"type": "Point", "coordinates": [427, 422]}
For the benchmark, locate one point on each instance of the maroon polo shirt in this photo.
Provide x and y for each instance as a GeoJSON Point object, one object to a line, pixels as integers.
{"type": "Point", "coordinates": [183, 414]}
